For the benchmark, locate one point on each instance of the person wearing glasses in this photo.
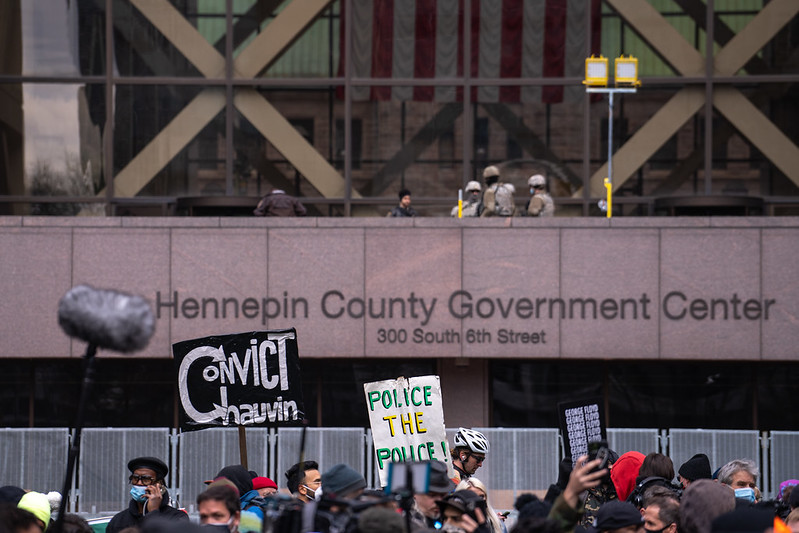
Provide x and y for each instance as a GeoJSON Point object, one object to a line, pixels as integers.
{"type": "Point", "coordinates": [468, 453]}
{"type": "Point", "coordinates": [540, 203]}
{"type": "Point", "coordinates": [149, 497]}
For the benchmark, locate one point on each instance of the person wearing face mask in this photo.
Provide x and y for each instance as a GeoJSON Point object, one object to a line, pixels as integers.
{"type": "Point", "coordinates": [540, 203]}
{"type": "Point", "coordinates": [661, 514]}
{"type": "Point", "coordinates": [149, 497]}
{"type": "Point", "coordinates": [305, 481]}
{"type": "Point", "coordinates": [741, 475]}
{"type": "Point", "coordinates": [219, 509]}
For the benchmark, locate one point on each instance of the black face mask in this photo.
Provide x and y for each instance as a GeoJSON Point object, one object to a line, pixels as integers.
{"type": "Point", "coordinates": [216, 528]}
{"type": "Point", "coordinates": [661, 530]}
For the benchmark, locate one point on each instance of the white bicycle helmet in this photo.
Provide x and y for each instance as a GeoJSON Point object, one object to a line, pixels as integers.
{"type": "Point", "coordinates": [474, 440]}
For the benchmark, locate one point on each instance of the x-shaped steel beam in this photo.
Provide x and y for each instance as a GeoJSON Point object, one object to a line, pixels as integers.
{"type": "Point", "coordinates": [253, 60]}
{"type": "Point", "coordinates": [730, 102]}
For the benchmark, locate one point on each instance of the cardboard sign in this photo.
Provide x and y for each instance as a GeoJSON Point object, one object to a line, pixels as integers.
{"type": "Point", "coordinates": [246, 379]}
{"type": "Point", "coordinates": [580, 423]}
{"type": "Point", "coordinates": [407, 419]}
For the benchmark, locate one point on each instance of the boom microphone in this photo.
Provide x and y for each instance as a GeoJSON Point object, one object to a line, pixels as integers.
{"type": "Point", "coordinates": [106, 318]}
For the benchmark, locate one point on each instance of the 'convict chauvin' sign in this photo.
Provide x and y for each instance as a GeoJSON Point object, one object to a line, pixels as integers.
{"type": "Point", "coordinates": [245, 379]}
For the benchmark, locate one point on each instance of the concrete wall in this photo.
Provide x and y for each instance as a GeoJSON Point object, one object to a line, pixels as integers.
{"type": "Point", "coordinates": [628, 288]}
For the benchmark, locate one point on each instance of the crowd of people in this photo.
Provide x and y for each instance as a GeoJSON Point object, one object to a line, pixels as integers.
{"type": "Point", "coordinates": [597, 493]}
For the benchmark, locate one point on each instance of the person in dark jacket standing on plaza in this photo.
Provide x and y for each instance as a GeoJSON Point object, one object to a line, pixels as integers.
{"type": "Point", "coordinates": [404, 208]}
{"type": "Point", "coordinates": [279, 204]}
{"type": "Point", "coordinates": [149, 497]}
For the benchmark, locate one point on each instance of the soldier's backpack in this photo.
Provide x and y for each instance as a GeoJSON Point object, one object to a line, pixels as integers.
{"type": "Point", "coordinates": [498, 201]}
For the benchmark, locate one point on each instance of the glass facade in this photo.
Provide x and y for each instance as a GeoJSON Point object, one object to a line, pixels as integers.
{"type": "Point", "coordinates": [710, 395]}
{"type": "Point", "coordinates": [119, 107]}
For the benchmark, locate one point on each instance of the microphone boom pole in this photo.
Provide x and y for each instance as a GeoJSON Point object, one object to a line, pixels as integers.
{"type": "Point", "coordinates": [104, 319]}
{"type": "Point", "coordinates": [74, 448]}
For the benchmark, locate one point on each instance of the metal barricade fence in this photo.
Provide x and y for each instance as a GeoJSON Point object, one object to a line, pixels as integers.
{"type": "Point", "coordinates": [326, 446]}
{"type": "Point", "coordinates": [34, 458]}
{"type": "Point", "coordinates": [721, 446]}
{"type": "Point", "coordinates": [641, 440]}
{"type": "Point", "coordinates": [784, 459]}
{"type": "Point", "coordinates": [521, 459]}
{"type": "Point", "coordinates": [102, 471]}
{"type": "Point", "coordinates": [202, 454]}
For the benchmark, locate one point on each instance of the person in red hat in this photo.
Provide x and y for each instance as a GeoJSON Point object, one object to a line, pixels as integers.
{"type": "Point", "coordinates": [265, 486]}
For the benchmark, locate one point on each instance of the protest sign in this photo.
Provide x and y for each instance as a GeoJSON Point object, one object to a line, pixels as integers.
{"type": "Point", "coordinates": [581, 422]}
{"type": "Point", "coordinates": [407, 420]}
{"type": "Point", "coordinates": [247, 379]}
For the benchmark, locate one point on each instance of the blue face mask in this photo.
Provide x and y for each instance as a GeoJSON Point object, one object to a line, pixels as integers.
{"type": "Point", "coordinates": [746, 493]}
{"type": "Point", "coordinates": [137, 492]}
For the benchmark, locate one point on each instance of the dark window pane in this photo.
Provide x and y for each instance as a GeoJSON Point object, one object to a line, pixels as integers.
{"type": "Point", "coordinates": [686, 395]}
{"type": "Point", "coordinates": [15, 379]}
{"type": "Point", "coordinates": [527, 394]}
{"type": "Point", "coordinates": [334, 388]}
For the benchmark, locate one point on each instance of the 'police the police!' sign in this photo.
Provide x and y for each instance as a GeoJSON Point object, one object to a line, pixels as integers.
{"type": "Point", "coordinates": [407, 420]}
{"type": "Point", "coordinates": [246, 379]}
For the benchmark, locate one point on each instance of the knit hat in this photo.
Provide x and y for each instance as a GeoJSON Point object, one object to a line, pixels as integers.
{"type": "Point", "coordinates": [624, 472]}
{"type": "Point", "coordinates": [534, 507]}
{"type": "Point", "coordinates": [380, 520]}
{"type": "Point", "coordinates": [697, 467]}
{"type": "Point", "coordinates": [703, 501]}
{"type": "Point", "coordinates": [743, 520]}
{"type": "Point", "coordinates": [153, 463]}
{"type": "Point", "coordinates": [225, 482]}
{"type": "Point", "coordinates": [11, 494]}
{"type": "Point", "coordinates": [616, 514]}
{"type": "Point", "coordinates": [239, 476]}
{"type": "Point", "coordinates": [341, 480]}
{"type": "Point", "coordinates": [38, 504]}
{"type": "Point", "coordinates": [784, 485]}
{"type": "Point", "coordinates": [263, 483]}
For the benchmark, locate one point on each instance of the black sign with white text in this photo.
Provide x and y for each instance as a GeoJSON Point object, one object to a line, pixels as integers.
{"type": "Point", "coordinates": [581, 422]}
{"type": "Point", "coordinates": [245, 379]}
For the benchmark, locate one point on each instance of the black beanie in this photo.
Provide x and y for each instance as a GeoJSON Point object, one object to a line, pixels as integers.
{"type": "Point", "coordinates": [239, 476]}
{"type": "Point", "coordinates": [12, 494]}
{"type": "Point", "coordinates": [697, 467]}
{"type": "Point", "coordinates": [403, 193]}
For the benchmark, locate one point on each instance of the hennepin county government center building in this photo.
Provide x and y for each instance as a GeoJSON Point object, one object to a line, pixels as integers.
{"type": "Point", "coordinates": [137, 137]}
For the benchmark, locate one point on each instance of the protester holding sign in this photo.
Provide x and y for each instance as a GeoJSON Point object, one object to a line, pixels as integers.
{"type": "Point", "coordinates": [407, 420]}
{"type": "Point", "coordinates": [246, 379]}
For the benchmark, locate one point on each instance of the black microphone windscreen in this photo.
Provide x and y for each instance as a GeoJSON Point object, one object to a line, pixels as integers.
{"type": "Point", "coordinates": [106, 318]}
